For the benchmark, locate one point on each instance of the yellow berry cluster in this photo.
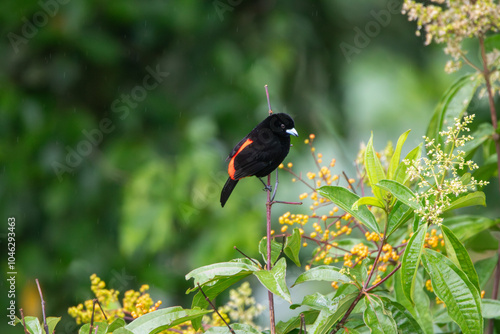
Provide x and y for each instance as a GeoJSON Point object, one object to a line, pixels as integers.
{"type": "Point", "coordinates": [138, 303]}
{"type": "Point", "coordinates": [389, 254]}
{"type": "Point", "coordinates": [290, 219]}
{"type": "Point", "coordinates": [433, 240]}
{"type": "Point", "coordinates": [135, 303]}
{"type": "Point", "coordinates": [108, 298]}
{"type": "Point", "coordinates": [377, 279]}
{"type": "Point", "coordinates": [323, 252]}
{"type": "Point", "coordinates": [428, 285]}
{"type": "Point", "coordinates": [373, 236]}
{"type": "Point", "coordinates": [360, 251]}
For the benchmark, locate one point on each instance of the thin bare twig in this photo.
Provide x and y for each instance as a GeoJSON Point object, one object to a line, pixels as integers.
{"type": "Point", "coordinates": [45, 326]}
{"type": "Point", "coordinates": [253, 261]}
{"type": "Point", "coordinates": [268, 100]}
{"type": "Point", "coordinates": [496, 138]}
{"type": "Point", "coordinates": [384, 279]}
{"type": "Point", "coordinates": [284, 202]}
{"type": "Point", "coordinates": [302, 323]}
{"type": "Point", "coordinates": [269, 264]}
{"type": "Point", "coordinates": [349, 183]}
{"type": "Point", "coordinates": [213, 307]}
{"type": "Point", "coordinates": [24, 322]}
{"type": "Point", "coordinates": [95, 301]}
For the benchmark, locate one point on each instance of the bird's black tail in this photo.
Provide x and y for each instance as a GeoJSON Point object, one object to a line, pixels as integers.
{"type": "Point", "coordinates": [227, 190]}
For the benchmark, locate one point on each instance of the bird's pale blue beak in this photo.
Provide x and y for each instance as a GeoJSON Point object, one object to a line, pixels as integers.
{"type": "Point", "coordinates": [292, 132]}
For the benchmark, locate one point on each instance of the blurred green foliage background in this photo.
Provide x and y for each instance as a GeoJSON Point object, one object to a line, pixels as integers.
{"type": "Point", "coordinates": [112, 170]}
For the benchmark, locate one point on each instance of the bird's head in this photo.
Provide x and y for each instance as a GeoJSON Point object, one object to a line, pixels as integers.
{"type": "Point", "coordinates": [283, 125]}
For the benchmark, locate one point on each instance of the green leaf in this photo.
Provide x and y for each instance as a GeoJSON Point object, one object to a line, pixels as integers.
{"type": "Point", "coordinates": [411, 260]}
{"type": "Point", "coordinates": [377, 317]}
{"type": "Point", "coordinates": [459, 255]}
{"type": "Point", "coordinates": [237, 328]}
{"type": "Point", "coordinates": [322, 273]}
{"type": "Point", "coordinates": [52, 323]}
{"type": "Point", "coordinates": [405, 322]}
{"type": "Point", "coordinates": [393, 165]}
{"type": "Point", "coordinates": [122, 330]}
{"type": "Point", "coordinates": [401, 192]}
{"type": "Point", "coordinates": [117, 323]}
{"type": "Point", "coordinates": [421, 310]}
{"type": "Point", "coordinates": [207, 273]}
{"type": "Point", "coordinates": [465, 227]}
{"type": "Point", "coordinates": [292, 246]}
{"type": "Point", "coordinates": [331, 314]}
{"type": "Point", "coordinates": [399, 215]}
{"type": "Point", "coordinates": [374, 169]}
{"type": "Point", "coordinates": [276, 248]}
{"type": "Point", "coordinates": [423, 305]}
{"type": "Point", "coordinates": [452, 286]}
{"type": "Point", "coordinates": [401, 175]}
{"type": "Point", "coordinates": [492, 43]}
{"type": "Point", "coordinates": [400, 295]}
{"type": "Point", "coordinates": [161, 319]}
{"type": "Point", "coordinates": [452, 105]}
{"type": "Point", "coordinates": [213, 289]}
{"type": "Point", "coordinates": [475, 198]}
{"type": "Point", "coordinates": [33, 325]}
{"type": "Point", "coordinates": [491, 308]}
{"type": "Point", "coordinates": [294, 322]}
{"type": "Point", "coordinates": [359, 273]}
{"type": "Point", "coordinates": [345, 199]}
{"type": "Point", "coordinates": [274, 280]}
{"type": "Point", "coordinates": [102, 328]}
{"type": "Point", "coordinates": [368, 201]}
{"type": "Point", "coordinates": [483, 133]}
{"type": "Point", "coordinates": [485, 268]}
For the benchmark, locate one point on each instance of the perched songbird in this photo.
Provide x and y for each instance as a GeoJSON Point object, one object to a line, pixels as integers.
{"type": "Point", "coordinates": [260, 152]}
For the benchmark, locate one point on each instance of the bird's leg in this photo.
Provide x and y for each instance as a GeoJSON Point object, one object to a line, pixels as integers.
{"type": "Point", "coordinates": [275, 187]}
{"type": "Point", "coordinates": [266, 187]}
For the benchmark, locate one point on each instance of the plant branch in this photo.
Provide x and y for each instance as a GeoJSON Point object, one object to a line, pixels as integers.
{"type": "Point", "coordinates": [269, 264]}
{"type": "Point", "coordinates": [364, 290]}
{"type": "Point", "coordinates": [213, 307]}
{"type": "Point", "coordinates": [253, 261]}
{"type": "Point", "coordinates": [268, 100]}
{"type": "Point", "coordinates": [486, 74]}
{"type": "Point", "coordinates": [24, 322]}
{"type": "Point", "coordinates": [43, 307]}
{"type": "Point", "coordinates": [349, 310]}
{"type": "Point", "coordinates": [300, 178]}
{"type": "Point", "coordinates": [384, 279]}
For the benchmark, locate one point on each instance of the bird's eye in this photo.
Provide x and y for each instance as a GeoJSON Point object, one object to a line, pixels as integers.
{"type": "Point", "coordinates": [282, 126]}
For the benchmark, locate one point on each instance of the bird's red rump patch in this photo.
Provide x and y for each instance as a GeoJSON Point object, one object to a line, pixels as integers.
{"type": "Point", "coordinates": [230, 168]}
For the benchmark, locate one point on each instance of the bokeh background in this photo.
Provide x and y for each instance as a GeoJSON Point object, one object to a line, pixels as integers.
{"type": "Point", "coordinates": [116, 118]}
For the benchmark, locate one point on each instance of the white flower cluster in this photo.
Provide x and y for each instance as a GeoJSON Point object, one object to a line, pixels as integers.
{"type": "Point", "coordinates": [451, 22]}
{"type": "Point", "coordinates": [437, 176]}
{"type": "Point", "coordinates": [241, 306]}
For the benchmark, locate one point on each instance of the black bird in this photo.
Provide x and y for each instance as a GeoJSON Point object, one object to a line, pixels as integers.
{"type": "Point", "coordinates": [260, 152]}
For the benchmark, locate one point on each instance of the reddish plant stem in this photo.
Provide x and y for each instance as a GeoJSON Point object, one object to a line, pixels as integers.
{"type": "Point", "coordinates": [486, 74]}
{"type": "Point", "coordinates": [299, 177]}
{"type": "Point", "coordinates": [215, 309]}
{"type": "Point", "coordinates": [269, 264]}
{"type": "Point", "coordinates": [364, 290]}
{"type": "Point", "coordinates": [385, 278]}
{"type": "Point", "coordinates": [43, 306]}
{"type": "Point", "coordinates": [24, 322]}
{"type": "Point", "coordinates": [496, 138]}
